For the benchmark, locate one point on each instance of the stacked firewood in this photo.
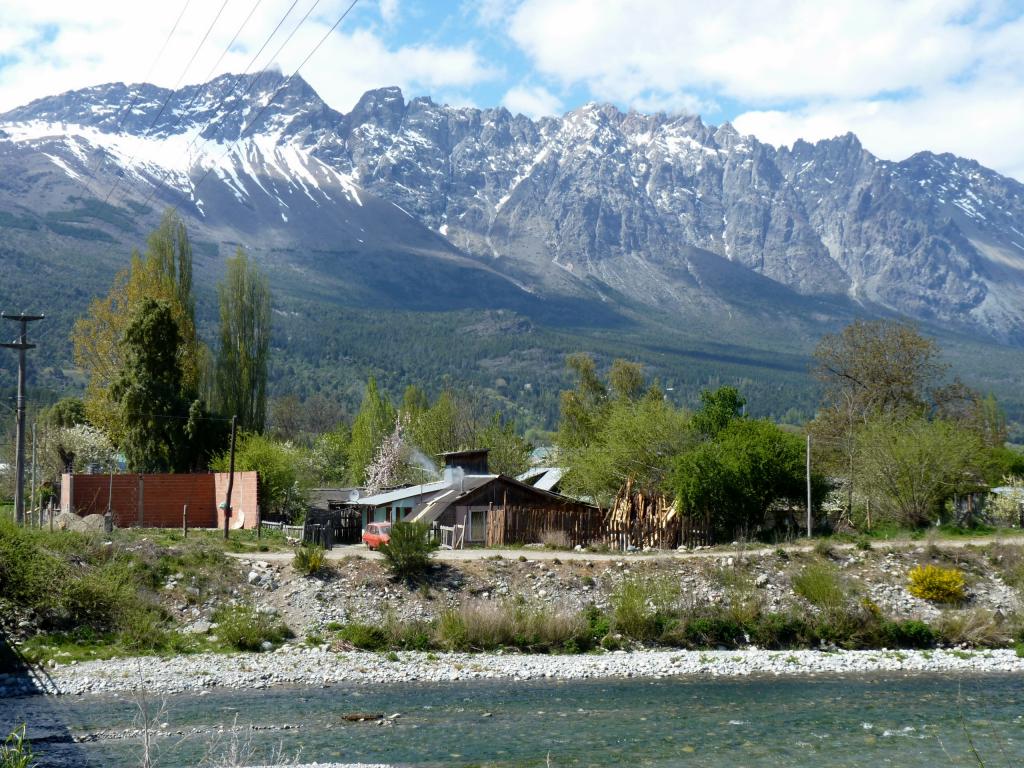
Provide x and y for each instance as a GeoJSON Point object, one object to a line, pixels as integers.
{"type": "Point", "coordinates": [638, 520]}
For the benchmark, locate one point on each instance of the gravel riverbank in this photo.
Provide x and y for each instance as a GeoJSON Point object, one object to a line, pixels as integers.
{"type": "Point", "coordinates": [297, 665]}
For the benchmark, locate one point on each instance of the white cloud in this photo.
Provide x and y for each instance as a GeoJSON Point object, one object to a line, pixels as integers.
{"type": "Point", "coordinates": [774, 49]}
{"type": "Point", "coordinates": [352, 63]}
{"type": "Point", "coordinates": [61, 45]}
{"type": "Point", "coordinates": [389, 11]}
{"type": "Point", "coordinates": [946, 75]}
{"type": "Point", "coordinates": [533, 101]}
{"type": "Point", "coordinates": [983, 123]}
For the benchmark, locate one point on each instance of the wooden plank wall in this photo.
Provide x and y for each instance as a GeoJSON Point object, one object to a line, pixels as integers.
{"type": "Point", "coordinates": [587, 526]}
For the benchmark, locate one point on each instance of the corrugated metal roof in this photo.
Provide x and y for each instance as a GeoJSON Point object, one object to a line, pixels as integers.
{"type": "Point", "coordinates": [465, 483]}
{"type": "Point", "coordinates": [544, 478]}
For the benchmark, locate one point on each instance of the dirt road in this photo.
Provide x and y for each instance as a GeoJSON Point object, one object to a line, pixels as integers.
{"type": "Point", "coordinates": [536, 553]}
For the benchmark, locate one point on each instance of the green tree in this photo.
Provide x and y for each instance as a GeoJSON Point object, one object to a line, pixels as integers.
{"type": "Point", "coordinates": [329, 455]}
{"type": "Point", "coordinates": [717, 409]}
{"type": "Point", "coordinates": [910, 467]}
{"type": "Point", "coordinates": [242, 357]}
{"type": "Point", "coordinates": [153, 407]}
{"type": "Point", "coordinates": [374, 422]}
{"type": "Point", "coordinates": [163, 273]}
{"type": "Point", "coordinates": [284, 477]}
{"type": "Point", "coordinates": [735, 479]}
{"type": "Point", "coordinates": [614, 431]}
{"type": "Point", "coordinates": [509, 451]}
{"type": "Point", "coordinates": [581, 408]}
{"type": "Point", "coordinates": [879, 367]}
{"type": "Point", "coordinates": [414, 402]}
{"type": "Point", "coordinates": [450, 424]}
{"type": "Point", "coordinates": [66, 412]}
{"type": "Point", "coordinates": [638, 440]}
{"type": "Point", "coordinates": [874, 369]}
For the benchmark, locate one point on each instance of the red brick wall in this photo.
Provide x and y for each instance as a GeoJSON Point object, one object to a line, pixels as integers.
{"type": "Point", "coordinates": [244, 499]}
{"type": "Point", "coordinates": [162, 498]}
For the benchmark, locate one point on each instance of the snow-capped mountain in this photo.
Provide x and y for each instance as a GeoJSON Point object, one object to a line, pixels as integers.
{"type": "Point", "coordinates": [651, 210]}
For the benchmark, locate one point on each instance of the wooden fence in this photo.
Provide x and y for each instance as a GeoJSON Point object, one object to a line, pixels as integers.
{"type": "Point", "coordinates": [590, 527]}
{"type": "Point", "coordinates": [527, 525]}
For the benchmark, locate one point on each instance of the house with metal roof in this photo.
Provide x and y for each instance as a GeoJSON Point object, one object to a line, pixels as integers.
{"type": "Point", "coordinates": [463, 497]}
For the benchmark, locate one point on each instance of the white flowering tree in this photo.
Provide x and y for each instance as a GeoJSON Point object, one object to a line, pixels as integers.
{"type": "Point", "coordinates": [397, 461]}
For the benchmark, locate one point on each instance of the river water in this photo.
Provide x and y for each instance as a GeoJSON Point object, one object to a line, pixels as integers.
{"type": "Point", "coordinates": [816, 722]}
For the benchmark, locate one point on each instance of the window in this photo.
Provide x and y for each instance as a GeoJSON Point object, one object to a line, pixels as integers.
{"type": "Point", "coordinates": [478, 525]}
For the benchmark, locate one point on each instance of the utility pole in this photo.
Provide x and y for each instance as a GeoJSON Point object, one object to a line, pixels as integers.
{"type": "Point", "coordinates": [32, 486]}
{"type": "Point", "coordinates": [808, 485]}
{"type": "Point", "coordinates": [21, 345]}
{"type": "Point", "coordinates": [231, 478]}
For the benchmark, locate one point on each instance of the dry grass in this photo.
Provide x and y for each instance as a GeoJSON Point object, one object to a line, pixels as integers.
{"type": "Point", "coordinates": [555, 538]}
{"type": "Point", "coordinates": [483, 625]}
{"type": "Point", "coordinates": [978, 627]}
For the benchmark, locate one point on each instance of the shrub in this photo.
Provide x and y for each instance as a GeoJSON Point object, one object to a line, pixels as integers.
{"type": "Point", "coordinates": [940, 585]}
{"type": "Point", "coordinates": [407, 554]}
{"type": "Point", "coordinates": [244, 628]}
{"type": "Point", "coordinates": [780, 631]}
{"type": "Point", "coordinates": [640, 607]}
{"type": "Point", "coordinates": [555, 538]}
{"type": "Point", "coordinates": [366, 637]}
{"type": "Point", "coordinates": [1019, 648]}
{"type": "Point", "coordinates": [99, 596]}
{"type": "Point", "coordinates": [908, 634]}
{"type": "Point", "coordinates": [16, 752]}
{"type": "Point", "coordinates": [821, 586]}
{"type": "Point", "coordinates": [309, 559]}
{"type": "Point", "coordinates": [408, 635]}
{"type": "Point", "coordinates": [823, 548]}
{"type": "Point", "coordinates": [714, 631]}
{"type": "Point", "coordinates": [598, 623]}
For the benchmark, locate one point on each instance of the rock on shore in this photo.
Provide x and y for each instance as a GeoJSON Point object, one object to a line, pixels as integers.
{"type": "Point", "coordinates": [297, 665]}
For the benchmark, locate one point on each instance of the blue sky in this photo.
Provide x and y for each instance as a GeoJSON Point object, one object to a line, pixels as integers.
{"type": "Point", "coordinates": [944, 75]}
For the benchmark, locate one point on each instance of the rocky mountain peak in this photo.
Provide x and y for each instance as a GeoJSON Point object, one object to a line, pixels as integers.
{"type": "Point", "coordinates": [648, 206]}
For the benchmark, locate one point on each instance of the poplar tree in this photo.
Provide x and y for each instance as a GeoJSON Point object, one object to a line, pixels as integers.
{"type": "Point", "coordinates": [241, 365]}
{"type": "Point", "coordinates": [374, 422]}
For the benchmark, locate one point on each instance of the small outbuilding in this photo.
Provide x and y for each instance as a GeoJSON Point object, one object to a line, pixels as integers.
{"type": "Point", "coordinates": [484, 507]}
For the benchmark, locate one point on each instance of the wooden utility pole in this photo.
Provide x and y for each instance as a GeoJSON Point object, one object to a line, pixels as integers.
{"type": "Point", "coordinates": [21, 345]}
{"type": "Point", "coordinates": [809, 530]}
{"type": "Point", "coordinates": [231, 477]}
{"type": "Point", "coordinates": [32, 485]}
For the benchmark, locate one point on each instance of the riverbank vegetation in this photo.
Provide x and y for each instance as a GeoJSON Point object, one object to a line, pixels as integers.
{"type": "Point", "coordinates": [68, 596]}
{"type": "Point", "coordinates": [654, 613]}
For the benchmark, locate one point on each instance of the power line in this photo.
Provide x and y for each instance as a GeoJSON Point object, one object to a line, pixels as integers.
{"type": "Point", "coordinates": [283, 85]}
{"type": "Point", "coordinates": [138, 94]}
{"type": "Point", "coordinates": [252, 84]}
{"type": "Point", "coordinates": [198, 91]}
{"type": "Point", "coordinates": [166, 416]}
{"type": "Point", "coordinates": [227, 94]}
{"type": "Point", "coordinates": [173, 90]}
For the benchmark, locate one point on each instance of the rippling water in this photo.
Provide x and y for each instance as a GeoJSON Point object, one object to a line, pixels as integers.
{"type": "Point", "coordinates": [815, 722]}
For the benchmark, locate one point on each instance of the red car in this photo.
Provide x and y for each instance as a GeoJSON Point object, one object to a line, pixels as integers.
{"type": "Point", "coordinates": [376, 534]}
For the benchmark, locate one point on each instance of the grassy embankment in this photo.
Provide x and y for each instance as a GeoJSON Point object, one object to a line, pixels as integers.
{"type": "Point", "coordinates": [71, 596]}
{"type": "Point", "coordinates": [832, 609]}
